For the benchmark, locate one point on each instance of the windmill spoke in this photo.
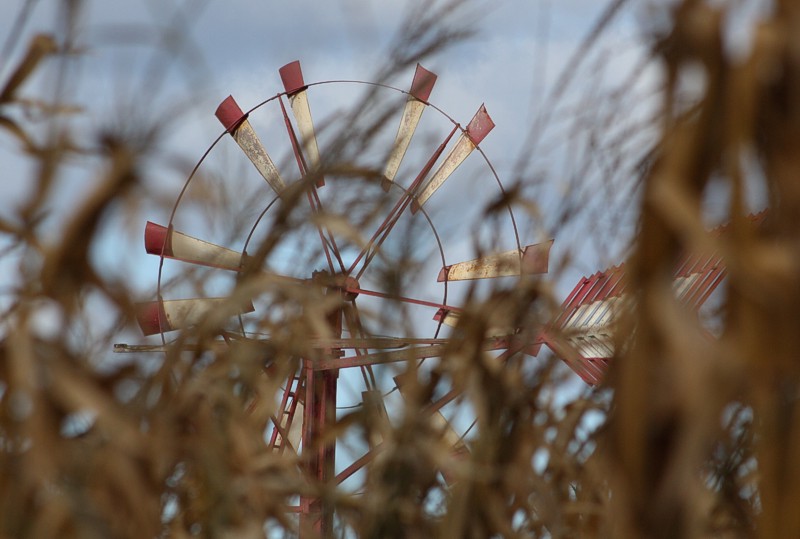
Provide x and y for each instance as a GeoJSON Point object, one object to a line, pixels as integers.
{"type": "Point", "coordinates": [170, 243]}
{"type": "Point", "coordinates": [352, 319]}
{"type": "Point", "coordinates": [326, 235]}
{"type": "Point", "coordinates": [385, 228]}
{"type": "Point", "coordinates": [452, 318]}
{"type": "Point", "coordinates": [397, 297]}
{"type": "Point", "coordinates": [511, 343]}
{"type": "Point", "coordinates": [378, 358]}
{"type": "Point", "coordinates": [286, 432]}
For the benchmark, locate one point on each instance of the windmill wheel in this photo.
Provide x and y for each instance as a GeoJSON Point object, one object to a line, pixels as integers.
{"type": "Point", "coordinates": [337, 268]}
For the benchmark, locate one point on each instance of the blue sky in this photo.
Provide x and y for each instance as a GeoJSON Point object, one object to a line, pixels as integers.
{"type": "Point", "coordinates": [168, 62]}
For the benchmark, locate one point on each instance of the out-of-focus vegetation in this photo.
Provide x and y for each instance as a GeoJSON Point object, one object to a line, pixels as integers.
{"type": "Point", "coordinates": [691, 435]}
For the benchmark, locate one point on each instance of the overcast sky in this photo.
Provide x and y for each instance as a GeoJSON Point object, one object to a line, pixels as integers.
{"type": "Point", "coordinates": [175, 61]}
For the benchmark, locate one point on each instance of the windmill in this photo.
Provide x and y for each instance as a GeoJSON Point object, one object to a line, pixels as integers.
{"type": "Point", "coordinates": [583, 333]}
{"type": "Point", "coordinates": [321, 275]}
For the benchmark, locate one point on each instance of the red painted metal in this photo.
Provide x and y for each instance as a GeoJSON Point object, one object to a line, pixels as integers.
{"type": "Point", "coordinates": [151, 317]}
{"type": "Point", "coordinates": [571, 358]}
{"type": "Point", "coordinates": [597, 288]}
{"type": "Point", "coordinates": [362, 461]}
{"type": "Point", "coordinates": [422, 85]}
{"type": "Point", "coordinates": [157, 240]}
{"type": "Point", "coordinates": [702, 286]}
{"type": "Point", "coordinates": [319, 450]}
{"type": "Point", "coordinates": [298, 154]}
{"type": "Point", "coordinates": [396, 297]}
{"type": "Point", "coordinates": [279, 439]}
{"type": "Point", "coordinates": [385, 228]}
{"type": "Point", "coordinates": [292, 78]}
{"type": "Point", "coordinates": [230, 114]}
{"type": "Point", "coordinates": [480, 126]}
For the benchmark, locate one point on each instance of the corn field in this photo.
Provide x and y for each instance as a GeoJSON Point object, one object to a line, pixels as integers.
{"type": "Point", "coordinates": [693, 432]}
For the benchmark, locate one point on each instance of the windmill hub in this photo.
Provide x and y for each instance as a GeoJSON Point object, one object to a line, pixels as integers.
{"type": "Point", "coordinates": [346, 285]}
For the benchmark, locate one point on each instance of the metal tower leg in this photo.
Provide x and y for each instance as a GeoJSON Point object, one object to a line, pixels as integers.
{"type": "Point", "coordinates": [316, 513]}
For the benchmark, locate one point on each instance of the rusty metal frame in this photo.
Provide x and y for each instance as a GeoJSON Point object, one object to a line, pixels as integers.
{"type": "Point", "coordinates": [706, 270]}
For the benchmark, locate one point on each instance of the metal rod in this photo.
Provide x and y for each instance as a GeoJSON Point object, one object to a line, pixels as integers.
{"type": "Point", "coordinates": [404, 299]}
{"type": "Point", "coordinates": [386, 227]}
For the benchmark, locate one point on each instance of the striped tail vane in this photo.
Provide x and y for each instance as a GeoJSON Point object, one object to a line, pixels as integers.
{"type": "Point", "coordinates": [237, 125]}
{"type": "Point", "coordinates": [583, 333]}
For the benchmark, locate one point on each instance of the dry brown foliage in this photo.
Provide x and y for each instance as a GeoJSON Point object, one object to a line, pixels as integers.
{"type": "Point", "coordinates": [692, 435]}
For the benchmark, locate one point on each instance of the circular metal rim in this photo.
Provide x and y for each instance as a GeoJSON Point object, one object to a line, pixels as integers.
{"type": "Point", "coordinates": [280, 95]}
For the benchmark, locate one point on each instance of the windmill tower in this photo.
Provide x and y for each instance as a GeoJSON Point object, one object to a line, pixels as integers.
{"type": "Point", "coordinates": [320, 284]}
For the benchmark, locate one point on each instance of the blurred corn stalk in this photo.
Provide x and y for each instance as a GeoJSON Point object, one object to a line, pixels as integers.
{"type": "Point", "coordinates": [703, 432]}
{"type": "Point", "coordinates": [88, 451]}
{"type": "Point", "coordinates": [703, 439]}
{"type": "Point", "coordinates": [176, 447]}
